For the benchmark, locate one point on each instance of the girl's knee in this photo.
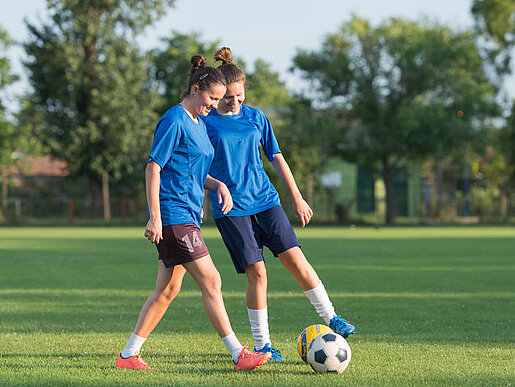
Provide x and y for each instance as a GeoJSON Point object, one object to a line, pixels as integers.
{"type": "Point", "coordinates": [256, 273]}
{"type": "Point", "coordinates": [213, 283]}
{"type": "Point", "coordinates": [169, 293]}
{"type": "Point", "coordinates": [295, 260]}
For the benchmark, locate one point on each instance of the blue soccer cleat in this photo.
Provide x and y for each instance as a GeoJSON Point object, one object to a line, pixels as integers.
{"type": "Point", "coordinates": [276, 354]}
{"type": "Point", "coordinates": [341, 326]}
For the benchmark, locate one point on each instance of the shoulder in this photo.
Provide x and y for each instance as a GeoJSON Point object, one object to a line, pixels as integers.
{"type": "Point", "coordinates": [252, 111]}
{"type": "Point", "coordinates": [173, 119]}
{"type": "Point", "coordinates": [255, 115]}
{"type": "Point", "coordinates": [175, 113]}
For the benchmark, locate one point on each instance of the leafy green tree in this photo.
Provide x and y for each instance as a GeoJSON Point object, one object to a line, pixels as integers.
{"type": "Point", "coordinates": [405, 90]}
{"type": "Point", "coordinates": [508, 143]}
{"type": "Point", "coordinates": [264, 88]}
{"type": "Point", "coordinates": [6, 77]}
{"type": "Point", "coordinates": [90, 87]}
{"type": "Point", "coordinates": [495, 21]}
{"type": "Point", "coordinates": [492, 168]}
{"type": "Point", "coordinates": [10, 138]}
{"type": "Point", "coordinates": [303, 134]}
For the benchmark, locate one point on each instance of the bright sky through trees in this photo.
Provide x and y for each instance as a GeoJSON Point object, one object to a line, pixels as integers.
{"type": "Point", "coordinates": [270, 30]}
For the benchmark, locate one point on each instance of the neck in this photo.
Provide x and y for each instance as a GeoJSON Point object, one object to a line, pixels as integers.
{"type": "Point", "coordinates": [224, 112]}
{"type": "Point", "coordinates": [187, 105]}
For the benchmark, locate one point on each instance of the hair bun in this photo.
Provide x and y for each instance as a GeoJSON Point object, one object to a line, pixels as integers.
{"type": "Point", "coordinates": [197, 62]}
{"type": "Point", "coordinates": [223, 55]}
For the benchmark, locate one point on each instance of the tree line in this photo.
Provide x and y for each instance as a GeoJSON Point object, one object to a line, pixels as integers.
{"type": "Point", "coordinates": [378, 96]}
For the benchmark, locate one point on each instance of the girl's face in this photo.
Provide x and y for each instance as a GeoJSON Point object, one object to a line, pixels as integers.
{"type": "Point", "coordinates": [233, 98]}
{"type": "Point", "coordinates": [208, 99]}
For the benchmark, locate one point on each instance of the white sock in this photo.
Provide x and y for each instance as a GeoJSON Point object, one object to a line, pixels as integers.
{"type": "Point", "coordinates": [233, 345]}
{"type": "Point", "coordinates": [258, 319]}
{"type": "Point", "coordinates": [320, 300]}
{"type": "Point", "coordinates": [133, 346]}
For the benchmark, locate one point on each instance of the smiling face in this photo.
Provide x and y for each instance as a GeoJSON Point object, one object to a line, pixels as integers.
{"type": "Point", "coordinates": [233, 98]}
{"type": "Point", "coordinates": [208, 99]}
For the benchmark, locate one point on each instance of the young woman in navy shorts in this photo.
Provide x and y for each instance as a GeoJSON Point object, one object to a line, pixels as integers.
{"type": "Point", "coordinates": [237, 132]}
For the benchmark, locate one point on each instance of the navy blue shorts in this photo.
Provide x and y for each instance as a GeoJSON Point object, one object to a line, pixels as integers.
{"type": "Point", "coordinates": [245, 236]}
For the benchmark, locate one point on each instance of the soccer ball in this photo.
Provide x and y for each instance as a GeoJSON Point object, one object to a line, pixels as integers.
{"type": "Point", "coordinates": [306, 336]}
{"type": "Point", "coordinates": [329, 352]}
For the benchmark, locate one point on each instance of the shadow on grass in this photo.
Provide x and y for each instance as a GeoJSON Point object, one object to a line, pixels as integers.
{"type": "Point", "coordinates": [172, 363]}
{"type": "Point", "coordinates": [430, 319]}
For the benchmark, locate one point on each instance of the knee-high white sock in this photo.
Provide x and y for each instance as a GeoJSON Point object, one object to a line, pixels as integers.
{"type": "Point", "coordinates": [133, 346]}
{"type": "Point", "coordinates": [258, 319]}
{"type": "Point", "coordinates": [320, 300]}
{"type": "Point", "coordinates": [233, 345]}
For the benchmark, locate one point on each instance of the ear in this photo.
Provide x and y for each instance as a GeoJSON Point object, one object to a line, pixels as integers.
{"type": "Point", "coordinates": [194, 89]}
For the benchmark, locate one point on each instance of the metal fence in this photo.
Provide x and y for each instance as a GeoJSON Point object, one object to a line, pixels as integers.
{"type": "Point", "coordinates": [480, 206]}
{"type": "Point", "coordinates": [51, 210]}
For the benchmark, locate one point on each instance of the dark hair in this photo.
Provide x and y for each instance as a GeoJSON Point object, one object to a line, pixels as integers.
{"type": "Point", "coordinates": [231, 71]}
{"type": "Point", "coordinates": [202, 75]}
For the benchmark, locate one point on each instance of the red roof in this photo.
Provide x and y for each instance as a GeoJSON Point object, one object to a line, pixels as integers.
{"type": "Point", "coordinates": [40, 166]}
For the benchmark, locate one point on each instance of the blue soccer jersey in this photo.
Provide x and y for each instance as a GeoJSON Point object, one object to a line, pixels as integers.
{"type": "Point", "coordinates": [237, 140]}
{"type": "Point", "coordinates": [182, 149]}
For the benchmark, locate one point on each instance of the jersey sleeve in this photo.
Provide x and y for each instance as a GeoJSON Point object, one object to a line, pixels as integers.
{"type": "Point", "coordinates": [268, 140]}
{"type": "Point", "coordinates": [166, 140]}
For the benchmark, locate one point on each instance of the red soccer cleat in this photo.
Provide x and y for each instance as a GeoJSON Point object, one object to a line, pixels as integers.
{"type": "Point", "coordinates": [133, 362]}
{"type": "Point", "coordinates": [248, 360]}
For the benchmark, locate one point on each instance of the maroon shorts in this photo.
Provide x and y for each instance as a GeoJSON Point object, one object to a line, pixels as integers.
{"type": "Point", "coordinates": [181, 243]}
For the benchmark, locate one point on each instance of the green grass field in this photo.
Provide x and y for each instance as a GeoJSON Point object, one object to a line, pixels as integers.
{"type": "Point", "coordinates": [432, 306]}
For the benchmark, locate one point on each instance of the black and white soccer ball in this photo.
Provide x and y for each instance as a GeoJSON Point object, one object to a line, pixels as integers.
{"type": "Point", "coordinates": [329, 352]}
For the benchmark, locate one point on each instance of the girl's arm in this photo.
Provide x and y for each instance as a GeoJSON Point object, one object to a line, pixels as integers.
{"type": "Point", "coordinates": [154, 229]}
{"type": "Point", "coordinates": [301, 209]}
{"type": "Point", "coordinates": [224, 196]}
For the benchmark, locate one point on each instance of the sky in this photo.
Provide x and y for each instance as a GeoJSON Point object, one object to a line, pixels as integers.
{"type": "Point", "coordinates": [272, 30]}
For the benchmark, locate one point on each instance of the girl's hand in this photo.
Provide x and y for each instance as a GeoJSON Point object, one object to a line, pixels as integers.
{"type": "Point", "coordinates": [224, 196]}
{"type": "Point", "coordinates": [303, 211]}
{"type": "Point", "coordinates": [154, 230]}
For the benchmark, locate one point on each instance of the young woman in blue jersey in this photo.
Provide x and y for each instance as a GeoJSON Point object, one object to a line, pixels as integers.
{"type": "Point", "coordinates": [176, 175]}
{"type": "Point", "coordinates": [237, 132]}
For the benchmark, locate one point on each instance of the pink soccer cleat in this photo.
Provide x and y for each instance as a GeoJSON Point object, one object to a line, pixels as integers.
{"type": "Point", "coordinates": [133, 362]}
{"type": "Point", "coordinates": [248, 360]}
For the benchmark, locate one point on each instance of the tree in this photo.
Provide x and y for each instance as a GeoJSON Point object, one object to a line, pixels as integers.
{"type": "Point", "coordinates": [6, 77]}
{"type": "Point", "coordinates": [304, 136]}
{"type": "Point", "coordinates": [491, 165]}
{"type": "Point", "coordinates": [495, 21]}
{"type": "Point", "coordinates": [404, 90]}
{"type": "Point", "coordinates": [10, 138]}
{"type": "Point", "coordinates": [265, 89]}
{"type": "Point", "coordinates": [90, 86]}
{"type": "Point", "coordinates": [508, 143]}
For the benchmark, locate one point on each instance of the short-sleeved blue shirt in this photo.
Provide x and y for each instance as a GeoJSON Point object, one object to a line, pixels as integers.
{"type": "Point", "coordinates": [182, 149]}
{"type": "Point", "coordinates": [237, 140]}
